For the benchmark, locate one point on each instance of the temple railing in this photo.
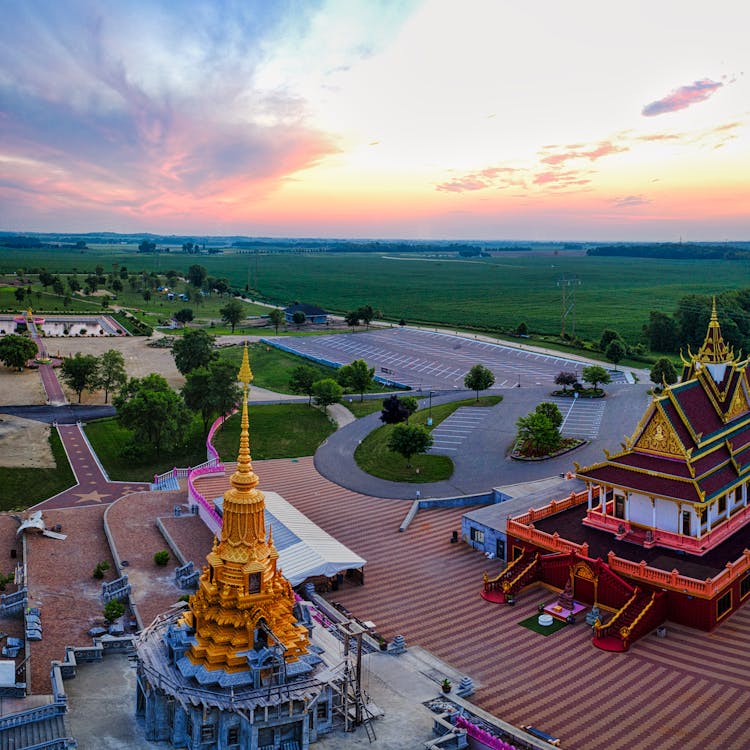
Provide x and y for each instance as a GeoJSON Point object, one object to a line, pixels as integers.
{"type": "Point", "coordinates": [641, 572]}
{"type": "Point", "coordinates": [555, 506]}
{"type": "Point", "coordinates": [211, 453]}
{"type": "Point", "coordinates": [206, 509]}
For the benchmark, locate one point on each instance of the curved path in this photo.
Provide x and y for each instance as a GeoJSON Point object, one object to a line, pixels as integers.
{"type": "Point", "coordinates": [481, 462]}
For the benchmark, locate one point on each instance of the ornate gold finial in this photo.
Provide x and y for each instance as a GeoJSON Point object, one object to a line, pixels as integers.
{"type": "Point", "coordinates": [245, 375]}
{"type": "Point", "coordinates": [714, 350]}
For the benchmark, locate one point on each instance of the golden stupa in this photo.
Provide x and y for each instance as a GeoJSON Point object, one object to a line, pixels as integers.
{"type": "Point", "coordinates": [243, 601]}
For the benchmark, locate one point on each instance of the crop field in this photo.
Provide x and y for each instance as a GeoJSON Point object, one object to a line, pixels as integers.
{"type": "Point", "coordinates": [494, 293]}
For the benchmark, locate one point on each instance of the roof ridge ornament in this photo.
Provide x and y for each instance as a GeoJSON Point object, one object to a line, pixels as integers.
{"type": "Point", "coordinates": [714, 350]}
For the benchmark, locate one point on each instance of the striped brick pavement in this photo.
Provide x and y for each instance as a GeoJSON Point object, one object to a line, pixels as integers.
{"type": "Point", "coordinates": [683, 692]}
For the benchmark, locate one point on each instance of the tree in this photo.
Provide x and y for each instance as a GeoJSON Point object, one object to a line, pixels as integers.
{"type": "Point", "coordinates": [410, 404]}
{"type": "Point", "coordinates": [46, 278]}
{"type": "Point", "coordinates": [233, 312]}
{"type": "Point", "coordinates": [552, 412]}
{"type": "Point", "coordinates": [595, 374]}
{"type": "Point", "coordinates": [302, 381]}
{"type": "Point", "coordinates": [326, 392]}
{"type": "Point", "coordinates": [522, 329]}
{"type": "Point", "coordinates": [20, 293]}
{"type": "Point", "coordinates": [691, 317]}
{"type": "Point", "coordinates": [366, 314]}
{"type": "Point", "coordinates": [663, 372]}
{"type": "Point", "coordinates": [608, 336]}
{"type": "Point", "coordinates": [194, 349]}
{"type": "Point", "coordinates": [111, 375]}
{"type": "Point", "coordinates": [183, 316]}
{"type": "Point", "coordinates": [357, 376]}
{"type": "Point", "coordinates": [393, 411]}
{"type": "Point", "coordinates": [408, 440]}
{"type": "Point", "coordinates": [537, 435]}
{"type": "Point", "coordinates": [197, 394]}
{"type": "Point", "coordinates": [197, 275]}
{"type": "Point", "coordinates": [615, 351]}
{"type": "Point", "coordinates": [479, 378]}
{"type": "Point", "coordinates": [299, 317]}
{"type": "Point", "coordinates": [276, 318]}
{"type": "Point", "coordinates": [16, 350]}
{"type": "Point", "coordinates": [155, 413]}
{"type": "Point", "coordinates": [224, 387]}
{"type": "Point", "coordinates": [80, 372]}
{"type": "Point", "coordinates": [222, 286]}
{"type": "Point", "coordinates": [147, 246]}
{"type": "Point", "coordinates": [566, 379]}
{"type": "Point", "coordinates": [58, 287]}
{"type": "Point", "coordinates": [352, 318]}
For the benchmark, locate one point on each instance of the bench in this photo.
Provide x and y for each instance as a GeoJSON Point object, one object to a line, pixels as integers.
{"type": "Point", "coordinates": [541, 735]}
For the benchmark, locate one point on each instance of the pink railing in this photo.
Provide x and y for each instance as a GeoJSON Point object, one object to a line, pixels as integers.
{"type": "Point", "coordinates": [639, 571]}
{"type": "Point", "coordinates": [481, 735]}
{"type": "Point", "coordinates": [211, 452]}
{"type": "Point", "coordinates": [555, 506]}
{"type": "Point", "coordinates": [206, 510]}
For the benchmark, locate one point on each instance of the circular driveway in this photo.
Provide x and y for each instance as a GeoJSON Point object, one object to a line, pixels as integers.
{"type": "Point", "coordinates": [480, 458]}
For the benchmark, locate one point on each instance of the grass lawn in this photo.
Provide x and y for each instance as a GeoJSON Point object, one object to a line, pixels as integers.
{"type": "Point", "coordinates": [363, 408]}
{"type": "Point", "coordinates": [25, 487]}
{"type": "Point", "coordinates": [273, 367]}
{"type": "Point", "coordinates": [276, 431]}
{"type": "Point", "coordinates": [107, 438]}
{"type": "Point", "coordinates": [374, 457]}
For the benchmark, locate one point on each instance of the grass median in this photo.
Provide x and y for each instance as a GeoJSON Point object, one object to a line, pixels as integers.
{"type": "Point", "coordinates": [374, 456]}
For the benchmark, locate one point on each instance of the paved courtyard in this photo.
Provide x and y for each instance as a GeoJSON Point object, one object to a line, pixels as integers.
{"type": "Point", "coordinates": [426, 360]}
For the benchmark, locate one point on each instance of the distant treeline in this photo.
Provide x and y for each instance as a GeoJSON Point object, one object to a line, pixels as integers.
{"type": "Point", "coordinates": [19, 241]}
{"type": "Point", "coordinates": [674, 251]}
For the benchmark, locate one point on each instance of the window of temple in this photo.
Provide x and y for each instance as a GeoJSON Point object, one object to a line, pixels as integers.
{"type": "Point", "coordinates": [745, 586]}
{"type": "Point", "coordinates": [253, 585]}
{"type": "Point", "coordinates": [208, 732]}
{"type": "Point", "coordinates": [477, 535]}
{"type": "Point", "coordinates": [233, 735]}
{"type": "Point", "coordinates": [517, 552]}
{"type": "Point", "coordinates": [722, 504]}
{"type": "Point", "coordinates": [723, 605]}
{"type": "Point", "coordinates": [322, 710]}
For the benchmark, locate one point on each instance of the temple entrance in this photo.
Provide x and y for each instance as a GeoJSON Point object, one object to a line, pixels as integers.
{"type": "Point", "coordinates": [619, 506]}
{"type": "Point", "coordinates": [585, 582]}
{"type": "Point", "coordinates": [686, 523]}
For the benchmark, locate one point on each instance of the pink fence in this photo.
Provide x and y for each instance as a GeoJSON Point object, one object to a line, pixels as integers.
{"type": "Point", "coordinates": [481, 735]}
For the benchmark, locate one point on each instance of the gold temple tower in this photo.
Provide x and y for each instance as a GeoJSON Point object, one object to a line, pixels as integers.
{"type": "Point", "coordinates": [243, 602]}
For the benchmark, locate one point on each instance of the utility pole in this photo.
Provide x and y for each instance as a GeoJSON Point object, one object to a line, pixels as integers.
{"type": "Point", "coordinates": [568, 286]}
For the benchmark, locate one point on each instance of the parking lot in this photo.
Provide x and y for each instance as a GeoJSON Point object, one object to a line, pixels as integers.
{"type": "Point", "coordinates": [582, 417]}
{"type": "Point", "coordinates": [451, 432]}
{"type": "Point", "coordinates": [430, 361]}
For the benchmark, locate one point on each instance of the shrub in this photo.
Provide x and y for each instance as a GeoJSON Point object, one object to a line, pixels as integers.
{"type": "Point", "coordinates": [161, 557]}
{"type": "Point", "coordinates": [99, 570]}
{"type": "Point", "coordinates": [113, 610]}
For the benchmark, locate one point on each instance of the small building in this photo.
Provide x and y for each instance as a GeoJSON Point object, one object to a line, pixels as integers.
{"type": "Point", "coordinates": [312, 313]}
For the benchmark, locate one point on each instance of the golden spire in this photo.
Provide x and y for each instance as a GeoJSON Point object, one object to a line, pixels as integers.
{"type": "Point", "coordinates": [714, 350]}
{"type": "Point", "coordinates": [241, 584]}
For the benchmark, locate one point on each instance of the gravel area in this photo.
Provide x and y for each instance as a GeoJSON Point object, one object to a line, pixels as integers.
{"type": "Point", "coordinates": [20, 388]}
{"type": "Point", "coordinates": [62, 585]}
{"type": "Point", "coordinates": [132, 524]}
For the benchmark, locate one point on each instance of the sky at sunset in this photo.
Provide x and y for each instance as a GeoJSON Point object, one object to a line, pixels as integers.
{"type": "Point", "coordinates": [359, 118]}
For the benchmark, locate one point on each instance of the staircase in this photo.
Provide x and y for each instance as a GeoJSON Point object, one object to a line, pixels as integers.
{"type": "Point", "coordinates": [45, 733]}
{"type": "Point", "coordinates": [643, 612]}
{"type": "Point", "coordinates": [519, 573]}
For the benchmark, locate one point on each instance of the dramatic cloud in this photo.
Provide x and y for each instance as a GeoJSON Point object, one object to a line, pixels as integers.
{"type": "Point", "coordinates": [683, 97]}
{"type": "Point", "coordinates": [629, 201]}
{"type": "Point", "coordinates": [497, 178]}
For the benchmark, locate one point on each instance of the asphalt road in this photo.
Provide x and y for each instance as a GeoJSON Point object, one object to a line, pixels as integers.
{"type": "Point", "coordinates": [481, 461]}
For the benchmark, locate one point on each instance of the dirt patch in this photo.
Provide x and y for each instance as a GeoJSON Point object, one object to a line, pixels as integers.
{"type": "Point", "coordinates": [140, 359]}
{"type": "Point", "coordinates": [25, 443]}
{"type": "Point", "coordinates": [20, 388]}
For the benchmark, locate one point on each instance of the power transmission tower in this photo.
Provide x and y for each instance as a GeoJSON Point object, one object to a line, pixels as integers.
{"type": "Point", "coordinates": [568, 286]}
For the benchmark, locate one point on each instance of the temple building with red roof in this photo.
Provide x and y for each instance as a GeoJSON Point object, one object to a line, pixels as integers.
{"type": "Point", "coordinates": [660, 532]}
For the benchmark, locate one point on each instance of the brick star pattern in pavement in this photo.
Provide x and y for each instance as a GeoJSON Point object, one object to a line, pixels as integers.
{"type": "Point", "coordinates": [93, 487]}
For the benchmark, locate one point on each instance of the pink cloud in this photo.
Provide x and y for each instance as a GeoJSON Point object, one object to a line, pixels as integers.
{"type": "Point", "coordinates": [592, 152]}
{"type": "Point", "coordinates": [498, 178]}
{"type": "Point", "coordinates": [683, 97]}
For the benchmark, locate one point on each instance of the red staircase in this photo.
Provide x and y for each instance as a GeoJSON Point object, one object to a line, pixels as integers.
{"type": "Point", "coordinates": [643, 612]}
{"type": "Point", "coordinates": [518, 573]}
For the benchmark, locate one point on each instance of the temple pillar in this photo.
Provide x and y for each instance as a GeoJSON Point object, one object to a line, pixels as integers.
{"type": "Point", "coordinates": [744, 493]}
{"type": "Point", "coordinates": [653, 513]}
{"type": "Point", "coordinates": [603, 497]}
{"type": "Point", "coordinates": [627, 507]}
{"type": "Point", "coordinates": [591, 495]}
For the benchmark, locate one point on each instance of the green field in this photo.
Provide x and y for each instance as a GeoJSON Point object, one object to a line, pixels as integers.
{"type": "Point", "coordinates": [493, 294]}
